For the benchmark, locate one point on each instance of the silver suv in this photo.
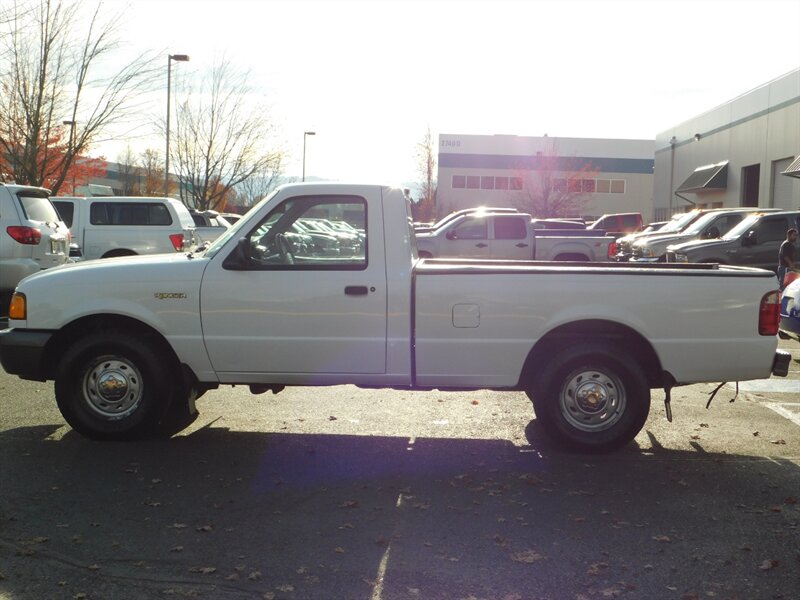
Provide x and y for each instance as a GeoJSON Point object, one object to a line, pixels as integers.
{"type": "Point", "coordinates": [32, 236]}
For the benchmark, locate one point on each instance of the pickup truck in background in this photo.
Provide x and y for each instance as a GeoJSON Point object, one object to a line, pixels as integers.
{"type": "Point", "coordinates": [618, 224]}
{"type": "Point", "coordinates": [710, 225]}
{"type": "Point", "coordinates": [130, 344]}
{"type": "Point", "coordinates": [429, 227]}
{"type": "Point", "coordinates": [512, 236]}
{"type": "Point", "coordinates": [754, 242]}
{"type": "Point", "coordinates": [678, 222]}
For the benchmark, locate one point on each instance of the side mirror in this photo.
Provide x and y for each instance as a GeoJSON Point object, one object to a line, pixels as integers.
{"type": "Point", "coordinates": [751, 239]}
{"type": "Point", "coordinates": [451, 235]}
{"type": "Point", "coordinates": [240, 257]}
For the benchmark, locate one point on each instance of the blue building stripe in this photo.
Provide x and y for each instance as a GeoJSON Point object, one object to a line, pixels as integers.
{"type": "Point", "coordinates": [562, 163]}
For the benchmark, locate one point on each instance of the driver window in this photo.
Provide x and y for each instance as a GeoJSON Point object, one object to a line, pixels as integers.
{"type": "Point", "coordinates": [472, 229]}
{"type": "Point", "coordinates": [311, 232]}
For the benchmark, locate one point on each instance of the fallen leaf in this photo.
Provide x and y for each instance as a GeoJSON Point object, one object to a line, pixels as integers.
{"type": "Point", "coordinates": [790, 500]}
{"type": "Point", "coordinates": [339, 550]}
{"type": "Point", "coordinates": [596, 568]}
{"type": "Point", "coordinates": [285, 588]}
{"type": "Point", "coordinates": [778, 442]}
{"type": "Point", "coordinates": [205, 528]}
{"type": "Point", "coordinates": [475, 403]}
{"type": "Point", "coordinates": [40, 540]}
{"type": "Point", "coordinates": [527, 556]}
{"type": "Point", "coordinates": [203, 570]}
{"type": "Point", "coordinates": [94, 567]}
{"type": "Point", "coordinates": [664, 539]}
{"type": "Point", "coordinates": [254, 576]}
{"type": "Point", "coordinates": [332, 418]}
{"type": "Point", "coordinates": [755, 434]}
{"type": "Point", "coordinates": [268, 596]}
{"type": "Point", "coordinates": [768, 564]}
{"type": "Point", "coordinates": [179, 525]}
{"type": "Point", "coordinates": [233, 577]}
{"type": "Point", "coordinates": [349, 504]}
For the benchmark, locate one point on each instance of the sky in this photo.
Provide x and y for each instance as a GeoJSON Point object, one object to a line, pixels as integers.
{"type": "Point", "coordinates": [370, 78]}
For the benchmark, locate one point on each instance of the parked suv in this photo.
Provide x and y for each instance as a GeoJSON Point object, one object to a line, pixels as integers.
{"type": "Point", "coordinates": [679, 222]}
{"type": "Point", "coordinates": [110, 226]}
{"type": "Point", "coordinates": [32, 236]}
{"type": "Point", "coordinates": [753, 243]}
{"type": "Point", "coordinates": [712, 224]}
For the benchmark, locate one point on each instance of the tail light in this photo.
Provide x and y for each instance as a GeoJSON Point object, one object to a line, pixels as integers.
{"type": "Point", "coordinates": [29, 236]}
{"type": "Point", "coordinates": [769, 314]}
{"type": "Point", "coordinates": [612, 249]}
{"type": "Point", "coordinates": [177, 241]}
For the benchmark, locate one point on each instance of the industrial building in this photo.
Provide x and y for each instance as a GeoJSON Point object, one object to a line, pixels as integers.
{"type": "Point", "coordinates": [742, 153]}
{"type": "Point", "coordinates": [602, 175]}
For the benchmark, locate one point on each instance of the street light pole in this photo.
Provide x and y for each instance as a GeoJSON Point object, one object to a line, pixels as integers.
{"type": "Point", "coordinates": [305, 135]}
{"type": "Point", "coordinates": [170, 58]}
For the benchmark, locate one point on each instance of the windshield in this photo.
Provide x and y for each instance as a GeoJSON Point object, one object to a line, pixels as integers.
{"type": "Point", "coordinates": [698, 225]}
{"type": "Point", "coordinates": [234, 229]}
{"type": "Point", "coordinates": [678, 223]}
{"type": "Point", "coordinates": [737, 231]}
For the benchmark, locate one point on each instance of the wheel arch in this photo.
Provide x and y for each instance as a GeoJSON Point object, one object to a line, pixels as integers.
{"type": "Point", "coordinates": [117, 252]}
{"type": "Point", "coordinates": [62, 339]}
{"type": "Point", "coordinates": [581, 332]}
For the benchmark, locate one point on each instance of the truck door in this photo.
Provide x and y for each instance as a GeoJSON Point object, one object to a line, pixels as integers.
{"type": "Point", "coordinates": [512, 238]}
{"type": "Point", "coordinates": [278, 303]}
{"type": "Point", "coordinates": [769, 234]}
{"type": "Point", "coordinates": [467, 239]}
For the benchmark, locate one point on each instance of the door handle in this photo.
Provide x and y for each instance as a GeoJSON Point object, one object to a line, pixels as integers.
{"type": "Point", "coordinates": [481, 245]}
{"type": "Point", "coordinates": [521, 245]}
{"type": "Point", "coordinates": [356, 290]}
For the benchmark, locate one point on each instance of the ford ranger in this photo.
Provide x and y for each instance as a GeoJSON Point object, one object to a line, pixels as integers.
{"type": "Point", "coordinates": [130, 343]}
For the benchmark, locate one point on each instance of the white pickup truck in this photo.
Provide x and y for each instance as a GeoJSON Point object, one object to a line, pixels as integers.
{"type": "Point", "coordinates": [512, 236]}
{"type": "Point", "coordinates": [131, 342]}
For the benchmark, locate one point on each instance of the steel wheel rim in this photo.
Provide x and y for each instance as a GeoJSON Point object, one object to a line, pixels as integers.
{"type": "Point", "coordinates": [592, 400]}
{"type": "Point", "coordinates": [112, 388]}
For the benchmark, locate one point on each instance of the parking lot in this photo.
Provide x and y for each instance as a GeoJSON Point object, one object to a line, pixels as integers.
{"type": "Point", "coordinates": [327, 493]}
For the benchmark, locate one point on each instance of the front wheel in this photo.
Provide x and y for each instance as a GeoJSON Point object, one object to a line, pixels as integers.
{"type": "Point", "coordinates": [111, 386]}
{"type": "Point", "coordinates": [593, 397]}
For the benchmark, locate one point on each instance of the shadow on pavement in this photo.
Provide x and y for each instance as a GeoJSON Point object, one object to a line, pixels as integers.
{"type": "Point", "coordinates": [222, 514]}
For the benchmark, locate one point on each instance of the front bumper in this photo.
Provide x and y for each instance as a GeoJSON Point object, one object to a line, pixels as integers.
{"type": "Point", "coordinates": [780, 364]}
{"type": "Point", "coordinates": [22, 352]}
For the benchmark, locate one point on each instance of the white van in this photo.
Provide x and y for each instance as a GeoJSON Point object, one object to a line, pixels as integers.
{"type": "Point", "coordinates": [32, 236]}
{"type": "Point", "coordinates": [106, 227]}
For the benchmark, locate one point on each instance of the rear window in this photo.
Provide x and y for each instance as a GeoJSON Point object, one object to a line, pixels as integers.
{"type": "Point", "coordinates": [38, 208]}
{"type": "Point", "coordinates": [66, 210]}
{"type": "Point", "coordinates": [129, 213]}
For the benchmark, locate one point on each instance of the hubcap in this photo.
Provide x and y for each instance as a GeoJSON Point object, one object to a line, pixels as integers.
{"type": "Point", "coordinates": [112, 388]}
{"type": "Point", "coordinates": [592, 400]}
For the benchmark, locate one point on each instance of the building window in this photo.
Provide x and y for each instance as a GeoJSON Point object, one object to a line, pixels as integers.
{"type": "Point", "coordinates": [603, 186]}
{"type": "Point", "coordinates": [617, 186]}
{"type": "Point", "coordinates": [501, 183]}
{"type": "Point", "coordinates": [574, 186]}
{"type": "Point", "coordinates": [487, 183]}
{"type": "Point", "coordinates": [588, 186]}
{"type": "Point", "coordinates": [515, 183]}
{"type": "Point", "coordinates": [459, 181]}
{"type": "Point", "coordinates": [473, 182]}
{"type": "Point", "coordinates": [559, 185]}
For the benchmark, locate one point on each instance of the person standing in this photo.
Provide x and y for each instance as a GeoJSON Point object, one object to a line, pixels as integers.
{"type": "Point", "coordinates": [786, 255]}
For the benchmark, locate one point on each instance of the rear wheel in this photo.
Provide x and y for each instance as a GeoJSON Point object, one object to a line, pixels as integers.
{"type": "Point", "coordinates": [591, 398]}
{"type": "Point", "coordinates": [111, 386]}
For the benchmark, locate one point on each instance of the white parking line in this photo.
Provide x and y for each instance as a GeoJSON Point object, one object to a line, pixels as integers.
{"type": "Point", "coordinates": [782, 410]}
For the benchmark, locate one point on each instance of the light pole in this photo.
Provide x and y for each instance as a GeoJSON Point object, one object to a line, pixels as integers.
{"type": "Point", "coordinates": [71, 149]}
{"type": "Point", "coordinates": [170, 58]}
{"type": "Point", "coordinates": [305, 135]}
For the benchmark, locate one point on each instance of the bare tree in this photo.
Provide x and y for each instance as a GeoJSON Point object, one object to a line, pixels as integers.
{"type": "Point", "coordinates": [52, 105]}
{"type": "Point", "coordinates": [129, 175]}
{"type": "Point", "coordinates": [552, 185]}
{"type": "Point", "coordinates": [151, 163]}
{"type": "Point", "coordinates": [254, 188]}
{"type": "Point", "coordinates": [221, 138]}
{"type": "Point", "coordinates": [424, 209]}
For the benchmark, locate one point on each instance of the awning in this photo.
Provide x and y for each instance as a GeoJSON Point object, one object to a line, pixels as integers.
{"type": "Point", "coordinates": [793, 170]}
{"type": "Point", "coordinates": [707, 178]}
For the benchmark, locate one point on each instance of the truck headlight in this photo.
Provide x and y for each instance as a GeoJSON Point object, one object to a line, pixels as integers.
{"type": "Point", "coordinates": [647, 252]}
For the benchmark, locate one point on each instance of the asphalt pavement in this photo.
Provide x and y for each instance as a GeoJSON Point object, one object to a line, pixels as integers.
{"type": "Point", "coordinates": [342, 493]}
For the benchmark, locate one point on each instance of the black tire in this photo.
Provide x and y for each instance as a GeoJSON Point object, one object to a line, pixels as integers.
{"type": "Point", "coordinates": [112, 386]}
{"type": "Point", "coordinates": [593, 397]}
